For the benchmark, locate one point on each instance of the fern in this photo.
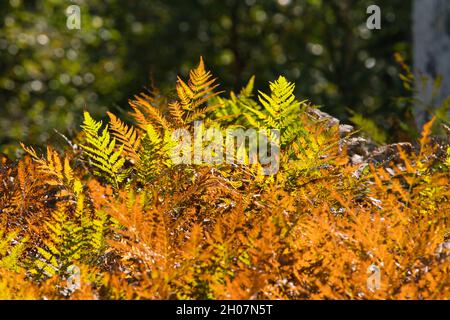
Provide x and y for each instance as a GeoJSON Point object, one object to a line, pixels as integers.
{"type": "Point", "coordinates": [127, 136]}
{"type": "Point", "coordinates": [11, 250]}
{"type": "Point", "coordinates": [155, 116]}
{"type": "Point", "coordinates": [70, 239]}
{"type": "Point", "coordinates": [280, 111]}
{"type": "Point", "coordinates": [62, 245]}
{"type": "Point", "coordinates": [311, 231]}
{"type": "Point", "coordinates": [195, 100]}
{"type": "Point", "coordinates": [233, 110]}
{"type": "Point", "coordinates": [197, 92]}
{"type": "Point", "coordinates": [101, 151]}
{"type": "Point", "coordinates": [154, 154]}
{"type": "Point", "coordinates": [99, 230]}
{"type": "Point", "coordinates": [59, 172]}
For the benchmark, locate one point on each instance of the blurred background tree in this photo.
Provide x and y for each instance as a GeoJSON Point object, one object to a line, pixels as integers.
{"type": "Point", "coordinates": [48, 73]}
{"type": "Point", "coordinates": [431, 33]}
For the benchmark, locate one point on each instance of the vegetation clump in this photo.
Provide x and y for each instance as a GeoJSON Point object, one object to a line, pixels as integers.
{"type": "Point", "coordinates": [136, 225]}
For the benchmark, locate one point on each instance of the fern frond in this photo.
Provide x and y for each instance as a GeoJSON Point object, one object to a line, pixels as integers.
{"type": "Point", "coordinates": [126, 135]}
{"type": "Point", "coordinates": [185, 94]}
{"type": "Point", "coordinates": [247, 91]}
{"type": "Point", "coordinates": [234, 111]}
{"type": "Point", "coordinates": [63, 244]}
{"type": "Point", "coordinates": [11, 250]}
{"type": "Point", "coordinates": [97, 241]}
{"type": "Point", "coordinates": [151, 113]}
{"type": "Point", "coordinates": [59, 173]}
{"type": "Point", "coordinates": [138, 116]}
{"type": "Point", "coordinates": [151, 155]}
{"type": "Point", "coordinates": [197, 92]}
{"type": "Point", "coordinates": [280, 110]}
{"type": "Point", "coordinates": [100, 150]}
{"type": "Point", "coordinates": [177, 113]}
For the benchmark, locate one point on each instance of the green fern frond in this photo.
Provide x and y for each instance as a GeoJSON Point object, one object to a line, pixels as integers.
{"type": "Point", "coordinates": [62, 246]}
{"type": "Point", "coordinates": [234, 111]}
{"type": "Point", "coordinates": [280, 110]}
{"type": "Point", "coordinates": [154, 154]}
{"type": "Point", "coordinates": [11, 250]}
{"type": "Point", "coordinates": [99, 229]}
{"type": "Point", "coordinates": [148, 166]}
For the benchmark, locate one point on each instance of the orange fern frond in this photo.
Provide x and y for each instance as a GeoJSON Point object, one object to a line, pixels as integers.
{"type": "Point", "coordinates": [176, 112]}
{"type": "Point", "coordinates": [126, 135]}
{"type": "Point", "coordinates": [152, 114]}
{"type": "Point", "coordinates": [197, 92]}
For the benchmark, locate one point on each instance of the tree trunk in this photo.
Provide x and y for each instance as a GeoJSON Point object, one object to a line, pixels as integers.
{"type": "Point", "coordinates": [431, 34]}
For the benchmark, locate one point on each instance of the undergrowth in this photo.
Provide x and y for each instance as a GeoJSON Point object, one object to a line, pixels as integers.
{"type": "Point", "coordinates": [137, 225]}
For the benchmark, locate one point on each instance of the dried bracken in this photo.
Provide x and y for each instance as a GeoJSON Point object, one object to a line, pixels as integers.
{"type": "Point", "coordinates": [135, 225]}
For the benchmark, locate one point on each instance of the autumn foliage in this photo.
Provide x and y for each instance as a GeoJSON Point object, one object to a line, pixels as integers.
{"type": "Point", "coordinates": [137, 226]}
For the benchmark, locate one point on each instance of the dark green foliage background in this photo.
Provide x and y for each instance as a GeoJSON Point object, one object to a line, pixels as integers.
{"type": "Point", "coordinates": [49, 74]}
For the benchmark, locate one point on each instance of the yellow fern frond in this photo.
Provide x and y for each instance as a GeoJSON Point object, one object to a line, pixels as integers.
{"type": "Point", "coordinates": [100, 150]}
{"type": "Point", "coordinates": [138, 116]}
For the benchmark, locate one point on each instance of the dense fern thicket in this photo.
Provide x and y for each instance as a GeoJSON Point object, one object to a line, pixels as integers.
{"type": "Point", "coordinates": [134, 224]}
